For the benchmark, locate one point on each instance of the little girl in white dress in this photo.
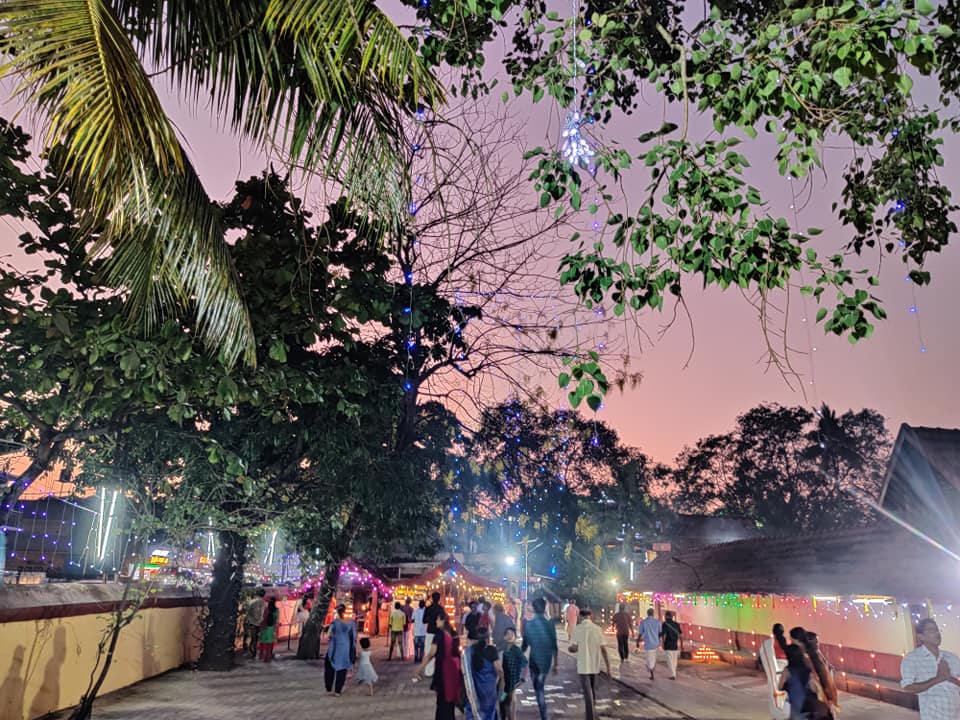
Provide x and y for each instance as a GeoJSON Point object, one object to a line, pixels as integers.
{"type": "Point", "coordinates": [365, 671]}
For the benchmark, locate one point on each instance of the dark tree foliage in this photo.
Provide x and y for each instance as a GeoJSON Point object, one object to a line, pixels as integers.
{"type": "Point", "coordinates": [787, 468]}
{"type": "Point", "coordinates": [562, 480]}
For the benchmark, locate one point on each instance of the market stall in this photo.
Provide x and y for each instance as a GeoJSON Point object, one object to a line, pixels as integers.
{"type": "Point", "coordinates": [361, 589]}
{"type": "Point", "coordinates": [456, 584]}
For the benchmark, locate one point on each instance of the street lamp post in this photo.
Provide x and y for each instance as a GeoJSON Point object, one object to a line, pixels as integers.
{"type": "Point", "coordinates": [526, 567]}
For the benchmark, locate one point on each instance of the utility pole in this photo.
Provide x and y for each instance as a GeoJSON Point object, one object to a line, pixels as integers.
{"type": "Point", "coordinates": [526, 572]}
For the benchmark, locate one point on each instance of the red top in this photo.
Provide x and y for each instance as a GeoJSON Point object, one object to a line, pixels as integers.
{"type": "Point", "coordinates": [622, 622]}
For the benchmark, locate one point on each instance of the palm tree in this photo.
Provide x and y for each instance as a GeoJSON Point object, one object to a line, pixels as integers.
{"type": "Point", "coordinates": [322, 83]}
{"type": "Point", "coordinates": [831, 445]}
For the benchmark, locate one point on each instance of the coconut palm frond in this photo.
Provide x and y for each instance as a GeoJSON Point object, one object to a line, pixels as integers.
{"type": "Point", "coordinates": [176, 233]}
{"type": "Point", "coordinates": [324, 84]}
{"type": "Point", "coordinates": [127, 168]}
{"type": "Point", "coordinates": [76, 66]}
{"type": "Point", "coordinates": [356, 38]}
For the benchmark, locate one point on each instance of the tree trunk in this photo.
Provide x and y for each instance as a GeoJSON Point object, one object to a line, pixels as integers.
{"type": "Point", "coordinates": [220, 630]}
{"type": "Point", "coordinates": [309, 646]}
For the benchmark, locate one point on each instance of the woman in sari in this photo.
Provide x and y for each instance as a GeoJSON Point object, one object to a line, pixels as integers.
{"type": "Point", "coordinates": [341, 652]}
{"type": "Point", "coordinates": [445, 650]}
{"type": "Point", "coordinates": [482, 676]}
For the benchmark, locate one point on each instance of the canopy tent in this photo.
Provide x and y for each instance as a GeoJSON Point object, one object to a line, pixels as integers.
{"type": "Point", "coordinates": [453, 581]}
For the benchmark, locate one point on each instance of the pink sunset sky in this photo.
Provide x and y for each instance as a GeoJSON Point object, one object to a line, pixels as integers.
{"type": "Point", "coordinates": [675, 405]}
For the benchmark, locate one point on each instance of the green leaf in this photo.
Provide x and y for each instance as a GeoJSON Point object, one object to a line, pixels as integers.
{"type": "Point", "coordinates": [278, 351]}
{"type": "Point", "coordinates": [821, 314]}
{"type": "Point", "coordinates": [924, 7]}
{"type": "Point", "coordinates": [843, 77]}
{"type": "Point", "coordinates": [594, 401]}
{"type": "Point", "coordinates": [63, 325]}
{"type": "Point", "coordinates": [905, 84]}
{"type": "Point", "coordinates": [563, 380]}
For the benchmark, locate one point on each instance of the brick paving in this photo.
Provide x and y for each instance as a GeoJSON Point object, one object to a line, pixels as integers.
{"type": "Point", "coordinates": [293, 690]}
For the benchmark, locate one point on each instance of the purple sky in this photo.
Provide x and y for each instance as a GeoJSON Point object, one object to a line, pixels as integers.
{"type": "Point", "coordinates": [674, 406]}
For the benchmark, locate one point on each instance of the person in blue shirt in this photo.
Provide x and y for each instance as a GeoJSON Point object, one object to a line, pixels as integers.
{"type": "Point", "coordinates": [341, 652]}
{"type": "Point", "coordinates": [540, 635]}
{"type": "Point", "coordinates": [650, 629]}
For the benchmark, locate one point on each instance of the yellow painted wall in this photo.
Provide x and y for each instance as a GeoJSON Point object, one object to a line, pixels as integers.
{"type": "Point", "coordinates": [46, 664]}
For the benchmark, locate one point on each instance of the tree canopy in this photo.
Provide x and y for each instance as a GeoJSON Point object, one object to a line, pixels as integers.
{"type": "Point", "coordinates": [812, 76]}
{"type": "Point", "coordinates": [786, 468]}
{"type": "Point", "coordinates": [324, 86]}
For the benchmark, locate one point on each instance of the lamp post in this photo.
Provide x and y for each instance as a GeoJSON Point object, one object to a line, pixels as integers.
{"type": "Point", "coordinates": [526, 567]}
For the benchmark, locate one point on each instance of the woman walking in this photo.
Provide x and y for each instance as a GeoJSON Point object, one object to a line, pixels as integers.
{"type": "Point", "coordinates": [341, 652]}
{"type": "Point", "coordinates": [445, 654]}
{"type": "Point", "coordinates": [482, 675]}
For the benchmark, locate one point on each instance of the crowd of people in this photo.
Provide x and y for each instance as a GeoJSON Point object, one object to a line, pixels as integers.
{"type": "Point", "coordinates": [480, 665]}
{"type": "Point", "coordinates": [477, 662]}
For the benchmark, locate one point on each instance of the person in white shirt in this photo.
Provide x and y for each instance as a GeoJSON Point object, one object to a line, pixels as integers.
{"type": "Point", "coordinates": [933, 674]}
{"type": "Point", "coordinates": [587, 643]}
{"type": "Point", "coordinates": [649, 631]}
{"type": "Point", "coordinates": [419, 632]}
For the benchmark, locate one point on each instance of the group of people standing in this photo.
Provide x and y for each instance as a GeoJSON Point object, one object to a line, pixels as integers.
{"type": "Point", "coordinates": [260, 621]}
{"type": "Point", "coordinates": [404, 619]}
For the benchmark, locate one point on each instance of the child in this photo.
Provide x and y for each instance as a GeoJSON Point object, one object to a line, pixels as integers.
{"type": "Point", "coordinates": [513, 664]}
{"type": "Point", "coordinates": [268, 631]}
{"type": "Point", "coordinates": [365, 672]}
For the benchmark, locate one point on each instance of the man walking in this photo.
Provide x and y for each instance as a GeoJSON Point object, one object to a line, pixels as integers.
{"type": "Point", "coordinates": [587, 643]}
{"type": "Point", "coordinates": [623, 624]}
{"type": "Point", "coordinates": [540, 636]}
{"type": "Point", "coordinates": [932, 673]}
{"type": "Point", "coordinates": [408, 625]}
{"type": "Point", "coordinates": [670, 634]}
{"type": "Point", "coordinates": [649, 631]}
{"type": "Point", "coordinates": [572, 617]}
{"type": "Point", "coordinates": [397, 622]}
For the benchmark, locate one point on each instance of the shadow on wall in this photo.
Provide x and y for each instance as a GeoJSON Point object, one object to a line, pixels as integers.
{"type": "Point", "coordinates": [11, 692]}
{"type": "Point", "coordinates": [48, 698]}
{"type": "Point", "coordinates": [150, 665]}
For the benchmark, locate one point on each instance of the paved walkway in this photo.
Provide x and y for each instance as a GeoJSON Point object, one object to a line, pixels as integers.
{"type": "Point", "coordinates": [719, 691]}
{"type": "Point", "coordinates": [293, 689]}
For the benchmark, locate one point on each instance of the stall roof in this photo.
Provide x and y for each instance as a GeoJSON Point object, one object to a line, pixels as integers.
{"type": "Point", "coordinates": [883, 559]}
{"type": "Point", "coordinates": [452, 565]}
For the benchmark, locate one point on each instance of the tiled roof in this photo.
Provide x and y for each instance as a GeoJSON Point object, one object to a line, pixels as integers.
{"type": "Point", "coordinates": [879, 560]}
{"type": "Point", "coordinates": [922, 485]}
{"type": "Point", "coordinates": [939, 447]}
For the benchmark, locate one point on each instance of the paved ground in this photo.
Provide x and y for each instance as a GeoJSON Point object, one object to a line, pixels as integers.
{"type": "Point", "coordinates": [718, 691]}
{"type": "Point", "coordinates": [293, 689]}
